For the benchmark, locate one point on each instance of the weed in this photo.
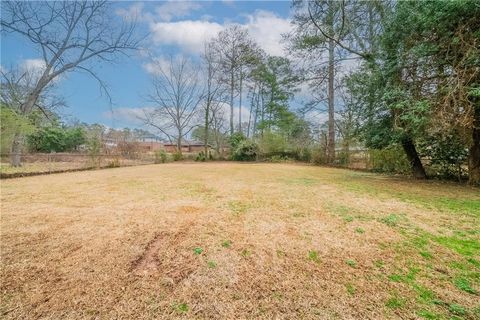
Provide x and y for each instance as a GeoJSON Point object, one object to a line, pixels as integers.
{"type": "Point", "coordinates": [395, 278]}
{"type": "Point", "coordinates": [351, 289]}
{"type": "Point", "coordinates": [281, 253]}
{"type": "Point", "coordinates": [197, 251]}
{"type": "Point", "coordinates": [212, 264]}
{"type": "Point", "coordinates": [391, 220]}
{"type": "Point", "coordinates": [395, 302]}
{"type": "Point", "coordinates": [457, 309]}
{"type": "Point", "coordinates": [237, 207]}
{"type": "Point", "coordinates": [426, 254]}
{"type": "Point", "coordinates": [359, 230]}
{"type": "Point", "coordinates": [313, 256]}
{"type": "Point", "coordinates": [428, 315]}
{"type": "Point", "coordinates": [348, 218]}
{"type": "Point", "coordinates": [379, 263]}
{"type": "Point", "coordinates": [351, 263]}
{"type": "Point", "coordinates": [464, 284]}
{"type": "Point", "coordinates": [227, 244]}
{"type": "Point", "coordinates": [245, 253]}
{"type": "Point", "coordinates": [476, 263]}
{"type": "Point", "coordinates": [180, 308]}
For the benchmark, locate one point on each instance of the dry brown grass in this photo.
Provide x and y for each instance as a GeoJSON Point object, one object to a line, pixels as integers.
{"type": "Point", "coordinates": [234, 241]}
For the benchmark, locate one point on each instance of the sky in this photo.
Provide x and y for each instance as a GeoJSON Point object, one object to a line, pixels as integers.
{"type": "Point", "coordinates": [173, 27]}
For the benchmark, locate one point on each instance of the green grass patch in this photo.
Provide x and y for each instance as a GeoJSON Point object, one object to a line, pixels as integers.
{"type": "Point", "coordinates": [197, 251]}
{"type": "Point", "coordinates": [350, 289]}
{"type": "Point", "coordinates": [351, 263]}
{"type": "Point", "coordinates": [180, 307]}
{"type": "Point", "coordinates": [302, 181]}
{"type": "Point", "coordinates": [245, 253]}
{"type": "Point", "coordinates": [457, 309]}
{"type": "Point", "coordinates": [238, 207]}
{"type": "Point", "coordinates": [426, 314]}
{"type": "Point", "coordinates": [464, 285]}
{"type": "Point", "coordinates": [313, 256]}
{"type": "Point", "coordinates": [466, 247]}
{"type": "Point", "coordinates": [426, 254]}
{"type": "Point", "coordinates": [391, 220]}
{"type": "Point", "coordinates": [359, 230]}
{"type": "Point", "coordinates": [227, 244]}
{"type": "Point", "coordinates": [395, 302]}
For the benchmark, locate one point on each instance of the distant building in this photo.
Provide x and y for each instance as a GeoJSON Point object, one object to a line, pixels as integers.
{"type": "Point", "coordinates": [187, 146]}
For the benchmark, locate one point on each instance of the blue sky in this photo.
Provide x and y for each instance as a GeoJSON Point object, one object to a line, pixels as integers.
{"type": "Point", "coordinates": [174, 27]}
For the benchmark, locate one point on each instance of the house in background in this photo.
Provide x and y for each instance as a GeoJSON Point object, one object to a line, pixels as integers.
{"type": "Point", "coordinates": [150, 142]}
{"type": "Point", "coordinates": [187, 146]}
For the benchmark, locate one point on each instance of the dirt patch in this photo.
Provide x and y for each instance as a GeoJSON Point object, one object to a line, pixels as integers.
{"type": "Point", "coordinates": [162, 257]}
{"type": "Point", "coordinates": [149, 261]}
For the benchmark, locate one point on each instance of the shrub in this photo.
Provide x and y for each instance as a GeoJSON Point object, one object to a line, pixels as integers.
{"type": "Point", "coordinates": [201, 156]}
{"type": "Point", "coordinates": [247, 150]}
{"type": "Point", "coordinates": [272, 144]}
{"type": "Point", "coordinates": [161, 156]}
{"type": "Point", "coordinates": [389, 160]}
{"type": "Point", "coordinates": [177, 156]}
{"type": "Point", "coordinates": [114, 163]}
{"type": "Point", "coordinates": [129, 149]}
{"type": "Point", "coordinates": [318, 156]}
{"type": "Point", "coordinates": [279, 158]}
{"type": "Point", "coordinates": [236, 139]}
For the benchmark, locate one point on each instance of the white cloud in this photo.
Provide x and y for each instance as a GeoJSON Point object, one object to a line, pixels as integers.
{"type": "Point", "coordinates": [266, 28]}
{"type": "Point", "coordinates": [33, 66]}
{"type": "Point", "coordinates": [176, 9]}
{"type": "Point", "coordinates": [189, 35]}
{"type": "Point", "coordinates": [159, 63]}
{"type": "Point", "coordinates": [167, 11]}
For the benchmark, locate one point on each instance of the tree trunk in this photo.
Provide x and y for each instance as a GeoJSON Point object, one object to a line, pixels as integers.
{"type": "Point", "coordinates": [232, 87]}
{"type": "Point", "coordinates": [16, 155]}
{"type": "Point", "coordinates": [179, 143]}
{"type": "Point", "coordinates": [207, 111]}
{"type": "Point", "coordinates": [331, 106]}
{"type": "Point", "coordinates": [17, 143]}
{"type": "Point", "coordinates": [416, 164]}
{"type": "Point", "coordinates": [474, 152]}
{"type": "Point", "coordinates": [240, 104]}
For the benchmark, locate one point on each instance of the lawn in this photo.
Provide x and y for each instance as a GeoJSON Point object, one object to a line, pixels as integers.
{"type": "Point", "coordinates": [236, 241]}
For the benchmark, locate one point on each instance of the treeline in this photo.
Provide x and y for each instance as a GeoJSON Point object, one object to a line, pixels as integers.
{"type": "Point", "coordinates": [398, 78]}
{"type": "Point", "coordinates": [416, 85]}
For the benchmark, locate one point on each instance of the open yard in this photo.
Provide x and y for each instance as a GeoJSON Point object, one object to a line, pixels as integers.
{"type": "Point", "coordinates": [236, 241]}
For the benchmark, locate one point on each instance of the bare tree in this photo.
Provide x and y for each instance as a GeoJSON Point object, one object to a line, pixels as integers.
{"type": "Point", "coordinates": [176, 94]}
{"type": "Point", "coordinates": [68, 35]}
{"type": "Point", "coordinates": [214, 90]}
{"type": "Point", "coordinates": [233, 47]}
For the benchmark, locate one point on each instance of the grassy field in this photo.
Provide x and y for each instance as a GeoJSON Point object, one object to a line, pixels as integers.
{"type": "Point", "coordinates": [236, 241]}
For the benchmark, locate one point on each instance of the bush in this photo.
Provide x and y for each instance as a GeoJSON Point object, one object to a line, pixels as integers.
{"type": "Point", "coordinates": [236, 139]}
{"type": "Point", "coordinates": [279, 158]}
{"type": "Point", "coordinates": [177, 156]}
{"type": "Point", "coordinates": [272, 144]}
{"type": "Point", "coordinates": [447, 154]}
{"type": "Point", "coordinates": [161, 156]}
{"type": "Point", "coordinates": [201, 156]}
{"type": "Point", "coordinates": [318, 156]}
{"type": "Point", "coordinates": [246, 151]}
{"type": "Point", "coordinates": [389, 160]}
{"type": "Point", "coordinates": [115, 163]}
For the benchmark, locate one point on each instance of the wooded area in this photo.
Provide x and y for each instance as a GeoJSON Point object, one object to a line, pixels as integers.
{"type": "Point", "coordinates": [392, 77]}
